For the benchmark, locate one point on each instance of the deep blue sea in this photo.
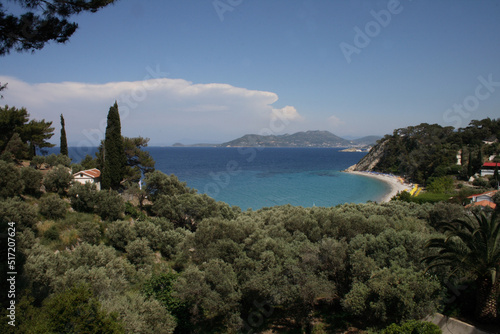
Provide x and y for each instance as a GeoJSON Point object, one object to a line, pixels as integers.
{"type": "Point", "coordinates": [260, 177]}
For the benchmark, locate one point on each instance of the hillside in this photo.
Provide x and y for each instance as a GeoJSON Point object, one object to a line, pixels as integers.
{"type": "Point", "coordinates": [299, 139]}
{"type": "Point", "coordinates": [429, 150]}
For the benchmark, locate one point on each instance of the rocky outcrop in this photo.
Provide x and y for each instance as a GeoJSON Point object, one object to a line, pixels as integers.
{"type": "Point", "coordinates": [369, 161]}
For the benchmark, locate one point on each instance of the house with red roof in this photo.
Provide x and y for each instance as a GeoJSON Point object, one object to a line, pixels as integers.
{"type": "Point", "coordinates": [89, 176]}
{"type": "Point", "coordinates": [489, 168]}
{"type": "Point", "coordinates": [484, 199]}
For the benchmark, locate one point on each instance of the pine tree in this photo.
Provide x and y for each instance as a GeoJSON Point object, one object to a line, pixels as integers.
{"type": "Point", "coordinates": [64, 142]}
{"type": "Point", "coordinates": [114, 153]}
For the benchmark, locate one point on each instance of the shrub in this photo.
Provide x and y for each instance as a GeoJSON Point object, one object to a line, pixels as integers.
{"type": "Point", "coordinates": [52, 233]}
{"type": "Point", "coordinates": [75, 310]}
{"type": "Point", "coordinates": [58, 180]}
{"type": "Point", "coordinates": [32, 180]}
{"type": "Point", "coordinates": [37, 161]}
{"type": "Point", "coordinates": [56, 160]}
{"type": "Point", "coordinates": [89, 232]}
{"type": "Point", "coordinates": [15, 210]}
{"type": "Point", "coordinates": [480, 182]}
{"type": "Point", "coordinates": [119, 234]}
{"type": "Point", "coordinates": [53, 207]}
{"type": "Point", "coordinates": [139, 252]}
{"type": "Point", "coordinates": [109, 205]}
{"type": "Point", "coordinates": [158, 183]}
{"type": "Point", "coordinates": [393, 294]}
{"type": "Point", "coordinates": [441, 185]}
{"type": "Point", "coordinates": [133, 212]}
{"type": "Point", "coordinates": [83, 197]}
{"type": "Point", "coordinates": [413, 327]}
{"type": "Point", "coordinates": [10, 181]}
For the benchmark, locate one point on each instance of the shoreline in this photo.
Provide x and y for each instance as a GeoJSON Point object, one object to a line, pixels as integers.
{"type": "Point", "coordinates": [395, 183]}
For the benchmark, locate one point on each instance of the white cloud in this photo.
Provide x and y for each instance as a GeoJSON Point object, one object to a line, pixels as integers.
{"type": "Point", "coordinates": [165, 110]}
{"type": "Point", "coordinates": [287, 113]}
{"type": "Point", "coordinates": [334, 121]}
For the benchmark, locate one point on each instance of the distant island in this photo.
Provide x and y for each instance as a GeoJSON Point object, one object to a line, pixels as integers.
{"type": "Point", "coordinates": [298, 139]}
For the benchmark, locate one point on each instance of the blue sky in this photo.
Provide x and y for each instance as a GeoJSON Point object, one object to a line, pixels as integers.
{"type": "Point", "coordinates": [209, 71]}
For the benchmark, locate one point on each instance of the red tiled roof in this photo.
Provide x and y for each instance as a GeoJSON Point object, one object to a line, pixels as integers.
{"type": "Point", "coordinates": [94, 173]}
{"type": "Point", "coordinates": [491, 164]}
{"type": "Point", "coordinates": [488, 193]}
{"type": "Point", "coordinates": [484, 203]}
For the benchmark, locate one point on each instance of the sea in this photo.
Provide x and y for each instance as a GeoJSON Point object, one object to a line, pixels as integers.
{"type": "Point", "coordinates": [253, 178]}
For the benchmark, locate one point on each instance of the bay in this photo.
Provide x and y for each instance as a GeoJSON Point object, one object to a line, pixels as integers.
{"type": "Point", "coordinates": [262, 177]}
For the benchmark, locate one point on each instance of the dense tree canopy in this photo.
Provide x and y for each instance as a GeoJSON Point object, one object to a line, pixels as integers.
{"type": "Point", "coordinates": [430, 150]}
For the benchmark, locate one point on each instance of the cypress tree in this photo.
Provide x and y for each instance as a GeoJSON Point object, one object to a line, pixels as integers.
{"type": "Point", "coordinates": [114, 157]}
{"type": "Point", "coordinates": [470, 171]}
{"type": "Point", "coordinates": [64, 142]}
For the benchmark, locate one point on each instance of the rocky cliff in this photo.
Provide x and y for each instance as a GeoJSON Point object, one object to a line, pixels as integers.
{"type": "Point", "coordinates": [369, 161]}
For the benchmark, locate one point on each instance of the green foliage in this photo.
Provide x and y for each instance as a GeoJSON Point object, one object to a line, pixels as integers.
{"type": "Point", "coordinates": [12, 120]}
{"type": "Point", "coordinates": [441, 185]}
{"type": "Point", "coordinates": [58, 180]}
{"type": "Point", "coordinates": [212, 293]}
{"type": "Point", "coordinates": [114, 157]}
{"type": "Point", "coordinates": [106, 203]}
{"type": "Point", "coordinates": [141, 315]}
{"type": "Point", "coordinates": [429, 150]}
{"type": "Point", "coordinates": [422, 198]}
{"type": "Point", "coordinates": [89, 232]}
{"type": "Point", "coordinates": [52, 233]}
{"type": "Point", "coordinates": [471, 247]}
{"type": "Point", "coordinates": [134, 212]}
{"type": "Point", "coordinates": [15, 210]}
{"type": "Point", "coordinates": [161, 287]}
{"type": "Point", "coordinates": [480, 182]}
{"type": "Point", "coordinates": [32, 180]}
{"type": "Point", "coordinates": [139, 253]}
{"type": "Point", "coordinates": [37, 161]}
{"type": "Point", "coordinates": [63, 141]}
{"type": "Point", "coordinates": [73, 311]}
{"type": "Point", "coordinates": [54, 160]}
{"type": "Point", "coordinates": [83, 197]}
{"type": "Point", "coordinates": [37, 134]}
{"type": "Point", "coordinates": [413, 327]}
{"type": "Point", "coordinates": [109, 205]}
{"type": "Point", "coordinates": [88, 162]}
{"type": "Point", "coordinates": [139, 162]}
{"type": "Point", "coordinates": [16, 148]}
{"type": "Point", "coordinates": [393, 294]}
{"type": "Point", "coordinates": [120, 234]}
{"type": "Point", "coordinates": [10, 181]}
{"type": "Point", "coordinates": [158, 183]}
{"type": "Point", "coordinates": [187, 209]}
{"type": "Point", "coordinates": [53, 207]}
{"type": "Point", "coordinates": [41, 22]}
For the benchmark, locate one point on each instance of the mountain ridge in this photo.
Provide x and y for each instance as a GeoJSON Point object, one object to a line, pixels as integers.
{"type": "Point", "coordinates": [311, 138]}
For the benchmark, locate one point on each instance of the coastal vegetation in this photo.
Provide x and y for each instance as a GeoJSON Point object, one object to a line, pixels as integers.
{"type": "Point", "coordinates": [164, 258]}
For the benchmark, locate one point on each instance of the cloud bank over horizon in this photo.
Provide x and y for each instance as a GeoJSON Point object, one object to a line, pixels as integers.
{"type": "Point", "coordinates": [165, 110]}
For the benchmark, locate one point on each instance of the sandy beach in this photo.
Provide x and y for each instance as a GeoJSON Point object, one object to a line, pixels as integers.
{"type": "Point", "coordinates": [395, 182]}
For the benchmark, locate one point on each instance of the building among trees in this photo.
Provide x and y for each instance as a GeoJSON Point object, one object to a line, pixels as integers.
{"type": "Point", "coordinates": [89, 176]}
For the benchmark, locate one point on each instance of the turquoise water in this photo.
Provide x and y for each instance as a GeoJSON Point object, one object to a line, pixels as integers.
{"type": "Point", "coordinates": [256, 178]}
